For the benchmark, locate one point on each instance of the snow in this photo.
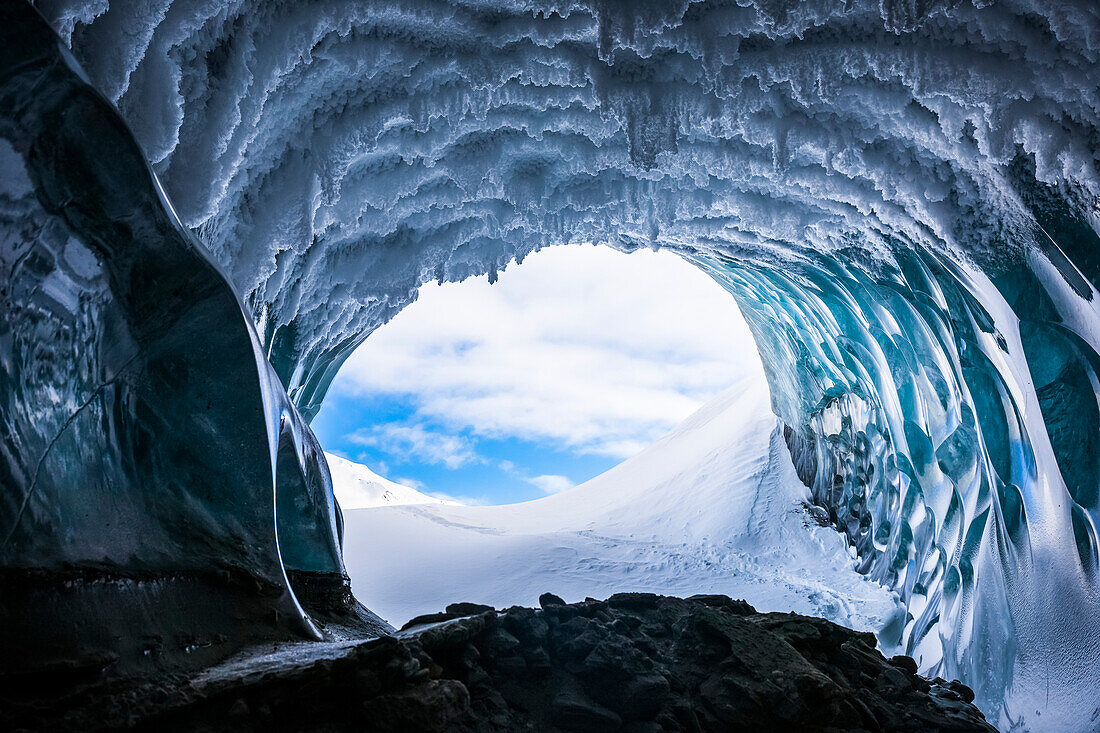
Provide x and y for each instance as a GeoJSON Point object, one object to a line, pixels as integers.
{"type": "Point", "coordinates": [358, 487]}
{"type": "Point", "coordinates": [712, 507]}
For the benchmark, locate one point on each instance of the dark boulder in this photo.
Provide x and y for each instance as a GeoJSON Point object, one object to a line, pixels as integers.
{"type": "Point", "coordinates": [549, 599]}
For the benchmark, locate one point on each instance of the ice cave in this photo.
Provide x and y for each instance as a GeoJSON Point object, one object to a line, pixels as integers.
{"type": "Point", "coordinates": [207, 205]}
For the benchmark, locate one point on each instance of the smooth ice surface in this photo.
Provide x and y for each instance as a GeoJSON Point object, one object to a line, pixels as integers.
{"type": "Point", "coordinates": [902, 196]}
{"type": "Point", "coordinates": [715, 506]}
{"type": "Point", "coordinates": [146, 444]}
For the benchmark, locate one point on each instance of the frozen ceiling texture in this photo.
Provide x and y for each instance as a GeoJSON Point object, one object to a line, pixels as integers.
{"type": "Point", "coordinates": [902, 197]}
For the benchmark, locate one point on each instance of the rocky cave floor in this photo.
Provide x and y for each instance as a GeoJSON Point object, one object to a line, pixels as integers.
{"type": "Point", "coordinates": [633, 663]}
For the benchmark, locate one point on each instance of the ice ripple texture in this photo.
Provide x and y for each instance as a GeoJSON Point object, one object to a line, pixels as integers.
{"type": "Point", "coordinates": [902, 196]}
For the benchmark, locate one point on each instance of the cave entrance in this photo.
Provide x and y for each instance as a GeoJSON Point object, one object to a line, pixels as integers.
{"type": "Point", "coordinates": [494, 394]}
{"type": "Point", "coordinates": [501, 393]}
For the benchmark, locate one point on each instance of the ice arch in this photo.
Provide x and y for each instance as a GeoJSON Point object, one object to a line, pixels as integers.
{"type": "Point", "coordinates": [901, 196]}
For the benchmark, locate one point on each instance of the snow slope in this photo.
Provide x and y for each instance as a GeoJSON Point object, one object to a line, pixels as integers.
{"type": "Point", "coordinates": [712, 507]}
{"type": "Point", "coordinates": [358, 487]}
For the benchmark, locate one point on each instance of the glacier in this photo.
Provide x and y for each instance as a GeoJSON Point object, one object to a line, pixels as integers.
{"type": "Point", "coordinates": [208, 204]}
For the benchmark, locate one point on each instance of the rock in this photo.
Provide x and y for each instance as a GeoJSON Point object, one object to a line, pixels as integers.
{"type": "Point", "coordinates": [455, 633]}
{"type": "Point", "coordinates": [907, 663]}
{"type": "Point", "coordinates": [538, 660]}
{"type": "Point", "coordinates": [644, 696]}
{"type": "Point", "coordinates": [467, 609]}
{"type": "Point", "coordinates": [636, 663]}
{"type": "Point", "coordinates": [429, 618]}
{"type": "Point", "coordinates": [634, 601]}
{"type": "Point", "coordinates": [894, 677]}
{"type": "Point", "coordinates": [549, 599]}
{"type": "Point", "coordinates": [436, 707]}
{"type": "Point", "coordinates": [526, 624]}
{"type": "Point", "coordinates": [724, 602]}
{"type": "Point", "coordinates": [512, 665]}
{"type": "Point", "coordinates": [961, 690]}
{"type": "Point", "coordinates": [620, 676]}
{"type": "Point", "coordinates": [573, 711]}
{"type": "Point", "coordinates": [501, 644]}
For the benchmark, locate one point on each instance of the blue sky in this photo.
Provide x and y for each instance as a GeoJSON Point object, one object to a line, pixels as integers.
{"type": "Point", "coordinates": [570, 363]}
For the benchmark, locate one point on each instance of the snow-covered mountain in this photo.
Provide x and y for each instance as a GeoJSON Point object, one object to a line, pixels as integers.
{"type": "Point", "coordinates": [358, 487]}
{"type": "Point", "coordinates": [713, 507]}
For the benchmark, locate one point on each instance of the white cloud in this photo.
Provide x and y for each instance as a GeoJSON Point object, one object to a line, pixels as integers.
{"type": "Point", "coordinates": [551, 483]}
{"type": "Point", "coordinates": [548, 483]}
{"type": "Point", "coordinates": [584, 347]}
{"type": "Point", "coordinates": [467, 500]}
{"type": "Point", "coordinates": [413, 483]}
{"type": "Point", "coordinates": [414, 442]}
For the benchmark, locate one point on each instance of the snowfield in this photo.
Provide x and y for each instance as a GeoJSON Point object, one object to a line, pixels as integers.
{"type": "Point", "coordinates": [358, 487]}
{"type": "Point", "coordinates": [712, 507]}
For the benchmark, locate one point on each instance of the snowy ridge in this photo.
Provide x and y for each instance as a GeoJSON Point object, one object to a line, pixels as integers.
{"type": "Point", "coordinates": [714, 506]}
{"type": "Point", "coordinates": [358, 487]}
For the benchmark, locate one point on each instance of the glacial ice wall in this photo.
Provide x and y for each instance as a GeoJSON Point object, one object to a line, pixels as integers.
{"type": "Point", "coordinates": [901, 195]}
{"type": "Point", "coordinates": [158, 486]}
{"type": "Point", "coordinates": [954, 445]}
